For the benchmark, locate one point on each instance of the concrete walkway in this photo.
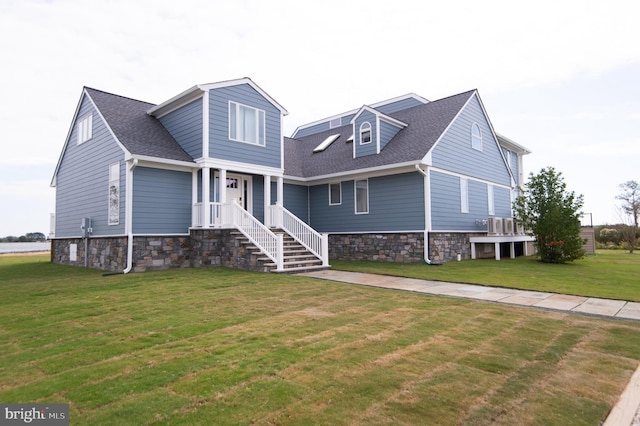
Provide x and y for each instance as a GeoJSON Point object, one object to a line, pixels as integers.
{"type": "Point", "coordinates": [626, 411]}
{"type": "Point", "coordinates": [560, 302]}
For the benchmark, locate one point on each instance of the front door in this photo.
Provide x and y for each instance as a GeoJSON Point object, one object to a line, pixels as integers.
{"type": "Point", "coordinates": [238, 187]}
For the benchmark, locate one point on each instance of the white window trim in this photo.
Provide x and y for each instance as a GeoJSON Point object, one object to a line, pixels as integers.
{"type": "Point", "coordinates": [464, 195]}
{"type": "Point", "coordinates": [355, 196]}
{"type": "Point", "coordinates": [113, 202]}
{"type": "Point", "coordinates": [85, 128]}
{"type": "Point", "coordinates": [366, 130]}
{"type": "Point", "coordinates": [491, 207]}
{"type": "Point", "coordinates": [476, 140]}
{"type": "Point", "coordinates": [339, 191]}
{"type": "Point", "coordinates": [259, 128]}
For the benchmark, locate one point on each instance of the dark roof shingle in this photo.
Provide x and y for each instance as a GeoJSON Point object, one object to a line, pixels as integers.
{"type": "Point", "coordinates": [140, 133]}
{"type": "Point", "coordinates": [426, 123]}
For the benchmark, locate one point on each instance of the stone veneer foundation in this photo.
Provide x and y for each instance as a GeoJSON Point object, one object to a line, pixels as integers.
{"type": "Point", "coordinates": [201, 248]}
{"type": "Point", "coordinates": [221, 247]}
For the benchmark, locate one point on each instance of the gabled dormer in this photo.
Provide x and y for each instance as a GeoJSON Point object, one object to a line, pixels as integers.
{"type": "Point", "coordinates": [372, 131]}
{"type": "Point", "coordinates": [234, 121]}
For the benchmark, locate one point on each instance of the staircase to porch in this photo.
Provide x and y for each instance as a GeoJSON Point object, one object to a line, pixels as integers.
{"type": "Point", "coordinates": [296, 257]}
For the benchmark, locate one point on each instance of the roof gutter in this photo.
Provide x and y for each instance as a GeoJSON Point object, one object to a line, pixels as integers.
{"type": "Point", "coordinates": [427, 207]}
{"type": "Point", "coordinates": [129, 214]}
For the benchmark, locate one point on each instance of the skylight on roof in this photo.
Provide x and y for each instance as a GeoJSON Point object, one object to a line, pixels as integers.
{"type": "Point", "coordinates": [325, 143]}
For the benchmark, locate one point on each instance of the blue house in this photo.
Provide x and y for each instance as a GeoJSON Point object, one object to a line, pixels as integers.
{"type": "Point", "coordinates": [207, 178]}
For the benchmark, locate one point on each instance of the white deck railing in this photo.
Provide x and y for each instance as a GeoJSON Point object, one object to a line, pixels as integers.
{"type": "Point", "coordinates": [316, 243]}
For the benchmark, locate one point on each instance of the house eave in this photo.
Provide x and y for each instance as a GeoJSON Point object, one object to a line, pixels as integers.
{"type": "Point", "coordinates": [388, 169]}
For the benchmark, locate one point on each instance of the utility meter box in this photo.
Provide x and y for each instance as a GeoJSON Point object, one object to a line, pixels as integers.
{"type": "Point", "coordinates": [85, 227]}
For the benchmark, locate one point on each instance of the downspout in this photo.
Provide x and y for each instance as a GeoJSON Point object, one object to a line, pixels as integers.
{"type": "Point", "coordinates": [129, 215]}
{"type": "Point", "coordinates": [427, 207]}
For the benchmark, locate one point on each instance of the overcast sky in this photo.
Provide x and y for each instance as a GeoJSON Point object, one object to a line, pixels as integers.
{"type": "Point", "coordinates": [560, 77]}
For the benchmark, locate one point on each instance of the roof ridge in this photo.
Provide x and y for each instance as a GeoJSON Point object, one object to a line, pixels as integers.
{"type": "Point", "coordinates": [116, 95]}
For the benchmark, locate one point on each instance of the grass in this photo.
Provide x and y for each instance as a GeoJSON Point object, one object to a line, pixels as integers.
{"type": "Point", "coordinates": [611, 274]}
{"type": "Point", "coordinates": [220, 346]}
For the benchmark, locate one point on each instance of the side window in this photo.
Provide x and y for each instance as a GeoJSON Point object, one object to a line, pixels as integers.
{"type": "Point", "coordinates": [246, 124]}
{"type": "Point", "coordinates": [85, 129]}
{"type": "Point", "coordinates": [114, 194]}
{"type": "Point", "coordinates": [476, 137]}
{"type": "Point", "coordinates": [362, 196]}
{"type": "Point", "coordinates": [365, 133]}
{"type": "Point", "coordinates": [464, 195]}
{"type": "Point", "coordinates": [335, 194]}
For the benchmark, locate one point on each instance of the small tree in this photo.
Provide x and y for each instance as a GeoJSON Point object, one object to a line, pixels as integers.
{"type": "Point", "coordinates": [552, 215]}
{"type": "Point", "coordinates": [630, 197]}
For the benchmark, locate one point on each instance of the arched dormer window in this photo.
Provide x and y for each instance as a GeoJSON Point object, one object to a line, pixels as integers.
{"type": "Point", "coordinates": [365, 133]}
{"type": "Point", "coordinates": [476, 137]}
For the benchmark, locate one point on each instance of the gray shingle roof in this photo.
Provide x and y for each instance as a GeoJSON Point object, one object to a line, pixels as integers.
{"type": "Point", "coordinates": [426, 123]}
{"type": "Point", "coordinates": [140, 133]}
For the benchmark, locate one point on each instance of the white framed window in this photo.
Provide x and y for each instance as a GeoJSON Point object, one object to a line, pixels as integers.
{"type": "Point", "coordinates": [335, 194]}
{"type": "Point", "coordinates": [114, 194]}
{"type": "Point", "coordinates": [85, 129]}
{"type": "Point", "coordinates": [246, 124]}
{"type": "Point", "coordinates": [491, 201]}
{"type": "Point", "coordinates": [464, 195]}
{"type": "Point", "coordinates": [336, 122]}
{"type": "Point", "coordinates": [365, 133]}
{"type": "Point", "coordinates": [362, 196]}
{"type": "Point", "coordinates": [476, 137]}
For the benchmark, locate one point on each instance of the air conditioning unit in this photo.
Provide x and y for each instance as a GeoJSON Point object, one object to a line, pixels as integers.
{"type": "Point", "coordinates": [507, 225]}
{"type": "Point", "coordinates": [494, 225]}
{"type": "Point", "coordinates": [520, 229]}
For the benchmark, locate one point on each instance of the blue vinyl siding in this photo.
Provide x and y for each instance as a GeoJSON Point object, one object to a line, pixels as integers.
{"type": "Point", "coordinates": [454, 152]}
{"type": "Point", "coordinates": [82, 182]}
{"type": "Point", "coordinates": [396, 203]}
{"type": "Point", "coordinates": [502, 203]}
{"type": "Point", "coordinates": [398, 105]}
{"type": "Point", "coordinates": [296, 200]}
{"type": "Point", "coordinates": [221, 147]}
{"type": "Point", "coordinates": [370, 148]}
{"type": "Point", "coordinates": [387, 132]}
{"type": "Point", "coordinates": [258, 197]}
{"type": "Point", "coordinates": [161, 201]}
{"type": "Point", "coordinates": [445, 203]}
{"type": "Point", "coordinates": [185, 125]}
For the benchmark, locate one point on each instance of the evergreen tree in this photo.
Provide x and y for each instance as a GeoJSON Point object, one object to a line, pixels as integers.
{"type": "Point", "coordinates": [552, 215]}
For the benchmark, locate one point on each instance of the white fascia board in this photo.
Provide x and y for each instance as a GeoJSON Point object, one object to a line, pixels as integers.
{"type": "Point", "coordinates": [245, 80]}
{"type": "Point", "coordinates": [163, 163]}
{"type": "Point", "coordinates": [392, 121]}
{"type": "Point", "coordinates": [511, 145]}
{"type": "Point", "coordinates": [176, 102]}
{"type": "Point", "coordinates": [239, 167]}
{"type": "Point", "coordinates": [471, 178]}
{"type": "Point", "coordinates": [364, 173]}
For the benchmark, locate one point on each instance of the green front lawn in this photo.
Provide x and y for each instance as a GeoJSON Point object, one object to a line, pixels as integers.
{"type": "Point", "coordinates": [221, 346]}
{"type": "Point", "coordinates": [611, 274]}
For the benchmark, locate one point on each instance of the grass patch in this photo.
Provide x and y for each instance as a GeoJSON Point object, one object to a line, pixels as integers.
{"type": "Point", "coordinates": [610, 274]}
{"type": "Point", "coordinates": [220, 346]}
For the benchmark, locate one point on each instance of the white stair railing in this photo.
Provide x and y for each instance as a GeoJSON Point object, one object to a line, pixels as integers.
{"type": "Point", "coordinates": [259, 235]}
{"type": "Point", "coordinates": [316, 243]}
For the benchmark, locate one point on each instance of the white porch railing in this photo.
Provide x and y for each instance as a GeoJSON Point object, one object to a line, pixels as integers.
{"type": "Point", "coordinates": [218, 215]}
{"type": "Point", "coordinates": [316, 243]}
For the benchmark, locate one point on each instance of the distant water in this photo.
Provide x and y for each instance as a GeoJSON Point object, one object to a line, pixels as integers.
{"type": "Point", "coordinates": [24, 247]}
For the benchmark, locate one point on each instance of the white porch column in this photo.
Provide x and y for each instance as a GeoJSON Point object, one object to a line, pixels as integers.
{"type": "Point", "coordinates": [280, 190]}
{"type": "Point", "coordinates": [267, 201]}
{"type": "Point", "coordinates": [194, 198]}
{"type": "Point", "coordinates": [497, 248]}
{"type": "Point", "coordinates": [473, 250]}
{"type": "Point", "coordinates": [223, 186]}
{"type": "Point", "coordinates": [206, 187]}
{"type": "Point", "coordinates": [513, 249]}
